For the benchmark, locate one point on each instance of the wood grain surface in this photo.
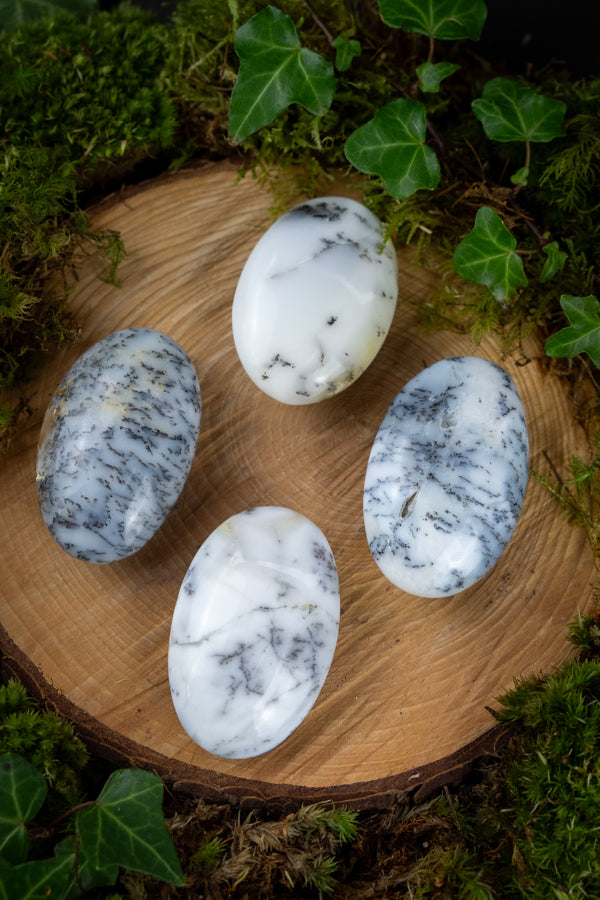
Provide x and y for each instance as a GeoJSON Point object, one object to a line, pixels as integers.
{"type": "Point", "coordinates": [411, 678]}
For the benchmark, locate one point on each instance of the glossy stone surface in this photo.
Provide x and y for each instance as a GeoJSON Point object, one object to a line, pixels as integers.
{"type": "Point", "coordinates": [253, 632]}
{"type": "Point", "coordinates": [117, 443]}
{"type": "Point", "coordinates": [446, 477]}
{"type": "Point", "coordinates": [315, 300]}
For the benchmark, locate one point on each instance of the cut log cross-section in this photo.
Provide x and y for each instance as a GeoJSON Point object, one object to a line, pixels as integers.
{"type": "Point", "coordinates": [404, 704]}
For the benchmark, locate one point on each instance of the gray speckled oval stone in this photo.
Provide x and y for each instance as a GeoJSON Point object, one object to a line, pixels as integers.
{"type": "Point", "coordinates": [446, 477]}
{"type": "Point", "coordinates": [117, 443]}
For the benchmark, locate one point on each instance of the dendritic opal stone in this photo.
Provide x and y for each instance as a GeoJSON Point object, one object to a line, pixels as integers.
{"type": "Point", "coordinates": [315, 300]}
{"type": "Point", "coordinates": [253, 632]}
{"type": "Point", "coordinates": [446, 477]}
{"type": "Point", "coordinates": [117, 443]}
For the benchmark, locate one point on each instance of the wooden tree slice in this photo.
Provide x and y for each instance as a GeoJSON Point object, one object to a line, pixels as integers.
{"type": "Point", "coordinates": [405, 700]}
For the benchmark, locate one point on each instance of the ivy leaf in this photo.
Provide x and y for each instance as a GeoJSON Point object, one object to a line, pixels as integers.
{"type": "Point", "coordinates": [14, 13]}
{"type": "Point", "coordinates": [345, 51]}
{"type": "Point", "coordinates": [556, 260]}
{"type": "Point", "coordinates": [448, 20]}
{"type": "Point", "coordinates": [22, 793]}
{"type": "Point", "coordinates": [392, 145]}
{"type": "Point", "coordinates": [125, 827]}
{"type": "Point", "coordinates": [521, 176]}
{"type": "Point", "coordinates": [487, 256]}
{"type": "Point", "coordinates": [36, 879]}
{"type": "Point", "coordinates": [509, 111]}
{"type": "Point", "coordinates": [432, 74]}
{"type": "Point", "coordinates": [275, 71]}
{"type": "Point", "coordinates": [583, 333]}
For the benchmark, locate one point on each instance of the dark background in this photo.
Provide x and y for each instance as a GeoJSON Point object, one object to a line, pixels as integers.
{"type": "Point", "coordinates": [520, 32]}
{"type": "Point", "coordinates": [517, 33]}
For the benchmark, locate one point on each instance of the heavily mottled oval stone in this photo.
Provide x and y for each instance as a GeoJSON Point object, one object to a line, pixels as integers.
{"type": "Point", "coordinates": [315, 300]}
{"type": "Point", "coordinates": [117, 443]}
{"type": "Point", "coordinates": [253, 632]}
{"type": "Point", "coordinates": [446, 477]}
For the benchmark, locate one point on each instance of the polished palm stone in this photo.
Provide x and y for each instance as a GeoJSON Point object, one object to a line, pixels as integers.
{"type": "Point", "coordinates": [253, 632]}
{"type": "Point", "coordinates": [117, 443]}
{"type": "Point", "coordinates": [315, 300]}
{"type": "Point", "coordinates": [446, 477]}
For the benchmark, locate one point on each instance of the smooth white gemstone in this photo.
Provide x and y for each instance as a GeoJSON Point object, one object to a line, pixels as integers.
{"type": "Point", "coordinates": [315, 300]}
{"type": "Point", "coordinates": [117, 443]}
{"type": "Point", "coordinates": [446, 477]}
{"type": "Point", "coordinates": [254, 631]}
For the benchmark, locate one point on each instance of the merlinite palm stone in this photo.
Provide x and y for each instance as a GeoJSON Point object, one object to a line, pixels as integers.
{"type": "Point", "coordinates": [315, 300]}
{"type": "Point", "coordinates": [446, 477]}
{"type": "Point", "coordinates": [117, 443]}
{"type": "Point", "coordinates": [254, 631]}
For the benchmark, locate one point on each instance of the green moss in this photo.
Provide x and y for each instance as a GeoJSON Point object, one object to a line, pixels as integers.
{"type": "Point", "coordinates": [90, 88]}
{"type": "Point", "coordinates": [552, 783]}
{"type": "Point", "coordinates": [584, 633]}
{"type": "Point", "coordinates": [44, 739]}
{"type": "Point", "coordinates": [79, 101]}
{"type": "Point", "coordinates": [209, 855]}
{"type": "Point", "coordinates": [451, 873]}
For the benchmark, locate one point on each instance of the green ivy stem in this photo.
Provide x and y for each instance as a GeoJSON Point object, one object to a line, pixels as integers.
{"type": "Point", "coordinates": [431, 48]}
{"type": "Point", "coordinates": [74, 809]}
{"type": "Point", "coordinates": [527, 153]}
{"type": "Point", "coordinates": [45, 830]}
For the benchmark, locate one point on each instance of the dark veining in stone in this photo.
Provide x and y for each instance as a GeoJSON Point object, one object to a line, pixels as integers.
{"type": "Point", "coordinates": [117, 444]}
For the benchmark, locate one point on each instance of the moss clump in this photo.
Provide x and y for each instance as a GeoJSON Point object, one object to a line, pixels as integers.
{"type": "Point", "coordinates": [90, 88]}
{"type": "Point", "coordinates": [80, 102]}
{"type": "Point", "coordinates": [552, 783]}
{"type": "Point", "coordinates": [263, 857]}
{"type": "Point", "coordinates": [584, 633]}
{"type": "Point", "coordinates": [45, 740]}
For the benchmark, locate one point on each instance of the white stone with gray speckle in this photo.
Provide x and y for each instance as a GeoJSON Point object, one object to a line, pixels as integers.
{"type": "Point", "coordinates": [315, 300]}
{"type": "Point", "coordinates": [253, 631]}
{"type": "Point", "coordinates": [446, 477]}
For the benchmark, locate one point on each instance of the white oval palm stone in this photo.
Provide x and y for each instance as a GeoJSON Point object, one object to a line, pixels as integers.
{"type": "Point", "coordinates": [315, 300]}
{"type": "Point", "coordinates": [446, 477]}
{"type": "Point", "coordinates": [117, 443]}
{"type": "Point", "coordinates": [253, 632]}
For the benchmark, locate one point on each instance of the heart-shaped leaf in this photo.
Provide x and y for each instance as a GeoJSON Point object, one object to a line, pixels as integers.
{"type": "Point", "coordinates": [346, 49]}
{"type": "Point", "coordinates": [275, 71]}
{"type": "Point", "coordinates": [431, 75]}
{"type": "Point", "coordinates": [510, 111]}
{"type": "Point", "coordinates": [487, 256]}
{"type": "Point", "coordinates": [521, 176]}
{"type": "Point", "coordinates": [392, 145]}
{"type": "Point", "coordinates": [22, 793]}
{"type": "Point", "coordinates": [556, 260]}
{"type": "Point", "coordinates": [125, 827]}
{"type": "Point", "coordinates": [448, 20]}
{"type": "Point", "coordinates": [583, 333]}
{"type": "Point", "coordinates": [14, 13]}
